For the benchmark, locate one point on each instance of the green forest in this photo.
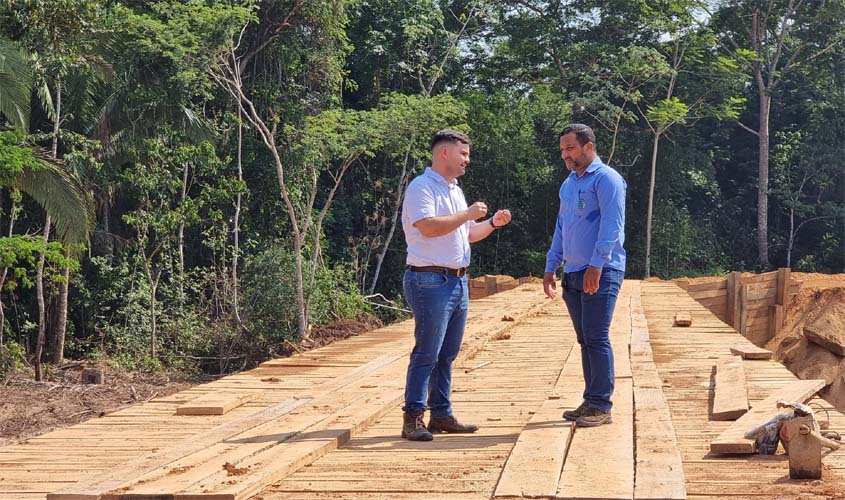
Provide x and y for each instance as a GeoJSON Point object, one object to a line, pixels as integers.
{"type": "Point", "coordinates": [195, 185]}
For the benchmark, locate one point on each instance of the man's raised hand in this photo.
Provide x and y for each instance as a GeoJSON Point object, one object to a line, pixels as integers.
{"type": "Point", "coordinates": [477, 210]}
{"type": "Point", "coordinates": [502, 217]}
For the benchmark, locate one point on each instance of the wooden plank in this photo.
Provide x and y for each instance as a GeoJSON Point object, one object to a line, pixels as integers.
{"type": "Point", "coordinates": [216, 403]}
{"type": "Point", "coordinates": [708, 294]}
{"type": "Point", "coordinates": [714, 285]}
{"type": "Point", "coordinates": [750, 351]}
{"type": "Point", "coordinates": [534, 465]}
{"type": "Point", "coordinates": [115, 478]}
{"type": "Point", "coordinates": [659, 471]}
{"type": "Point", "coordinates": [760, 278]}
{"type": "Point", "coordinates": [271, 451]}
{"type": "Point", "coordinates": [600, 462]}
{"type": "Point", "coordinates": [733, 299]}
{"type": "Point", "coordinates": [784, 281]}
{"type": "Point", "coordinates": [776, 319]}
{"type": "Point", "coordinates": [659, 468]}
{"type": "Point", "coordinates": [683, 318]}
{"type": "Point", "coordinates": [760, 294]}
{"type": "Point", "coordinates": [730, 394]}
{"type": "Point", "coordinates": [733, 439]}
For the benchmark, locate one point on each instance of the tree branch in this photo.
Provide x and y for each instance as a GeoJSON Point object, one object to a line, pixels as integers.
{"type": "Point", "coordinates": [746, 127]}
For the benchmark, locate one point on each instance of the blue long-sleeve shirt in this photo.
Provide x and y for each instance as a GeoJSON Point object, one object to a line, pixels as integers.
{"type": "Point", "coordinates": [590, 229]}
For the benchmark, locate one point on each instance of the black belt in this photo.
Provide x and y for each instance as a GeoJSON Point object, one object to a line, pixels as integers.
{"type": "Point", "coordinates": [439, 270]}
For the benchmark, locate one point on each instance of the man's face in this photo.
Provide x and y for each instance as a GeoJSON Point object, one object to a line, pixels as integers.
{"type": "Point", "coordinates": [573, 153]}
{"type": "Point", "coordinates": [457, 158]}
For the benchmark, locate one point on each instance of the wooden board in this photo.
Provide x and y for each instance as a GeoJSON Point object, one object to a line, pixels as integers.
{"type": "Point", "coordinates": [600, 462]}
{"type": "Point", "coordinates": [733, 439]}
{"type": "Point", "coordinates": [659, 471]}
{"type": "Point", "coordinates": [659, 466]}
{"type": "Point", "coordinates": [750, 351]}
{"type": "Point", "coordinates": [534, 465]}
{"type": "Point", "coordinates": [714, 285]}
{"type": "Point", "coordinates": [683, 318]}
{"type": "Point", "coordinates": [216, 403]}
{"type": "Point", "coordinates": [730, 395]}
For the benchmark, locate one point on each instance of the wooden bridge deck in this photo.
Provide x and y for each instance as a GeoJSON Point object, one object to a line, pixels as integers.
{"type": "Point", "coordinates": [325, 423]}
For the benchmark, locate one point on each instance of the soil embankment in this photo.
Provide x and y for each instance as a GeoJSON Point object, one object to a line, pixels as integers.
{"type": "Point", "coordinates": [812, 341]}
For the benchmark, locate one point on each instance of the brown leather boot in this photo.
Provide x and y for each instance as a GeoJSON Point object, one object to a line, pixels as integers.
{"type": "Point", "coordinates": [413, 426]}
{"type": "Point", "coordinates": [449, 424]}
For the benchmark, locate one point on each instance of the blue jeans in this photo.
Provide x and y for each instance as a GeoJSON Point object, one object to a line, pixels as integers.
{"type": "Point", "coordinates": [591, 316]}
{"type": "Point", "coordinates": [440, 305]}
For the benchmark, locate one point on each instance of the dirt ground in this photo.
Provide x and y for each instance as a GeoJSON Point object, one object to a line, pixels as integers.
{"type": "Point", "coordinates": [29, 408]}
{"type": "Point", "coordinates": [819, 304]}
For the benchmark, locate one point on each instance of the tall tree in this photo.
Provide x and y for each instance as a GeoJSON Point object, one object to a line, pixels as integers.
{"type": "Point", "coordinates": [772, 47]}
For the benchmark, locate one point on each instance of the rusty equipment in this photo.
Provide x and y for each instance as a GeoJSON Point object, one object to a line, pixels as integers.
{"type": "Point", "coordinates": [803, 441]}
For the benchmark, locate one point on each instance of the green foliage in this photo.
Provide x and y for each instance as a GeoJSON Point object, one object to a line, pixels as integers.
{"type": "Point", "coordinates": [269, 306]}
{"type": "Point", "coordinates": [353, 91]}
{"type": "Point", "coordinates": [20, 255]}
{"type": "Point", "coordinates": [12, 357]}
{"type": "Point", "coordinates": [667, 112]}
{"type": "Point", "coordinates": [16, 82]}
{"type": "Point", "coordinates": [16, 157]}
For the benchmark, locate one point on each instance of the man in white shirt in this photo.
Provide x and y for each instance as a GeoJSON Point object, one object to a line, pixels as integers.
{"type": "Point", "coordinates": [439, 227]}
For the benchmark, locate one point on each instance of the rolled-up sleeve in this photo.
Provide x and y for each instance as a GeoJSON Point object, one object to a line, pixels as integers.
{"type": "Point", "coordinates": [419, 202]}
{"type": "Point", "coordinates": [610, 190]}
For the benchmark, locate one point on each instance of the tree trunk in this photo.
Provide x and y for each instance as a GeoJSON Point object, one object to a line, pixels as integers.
{"type": "Point", "coordinates": [5, 272]}
{"type": "Point", "coordinates": [184, 195]}
{"type": "Point", "coordinates": [237, 228]}
{"type": "Point", "coordinates": [42, 309]}
{"type": "Point", "coordinates": [650, 205]}
{"type": "Point", "coordinates": [61, 317]}
{"type": "Point", "coordinates": [393, 221]}
{"type": "Point", "coordinates": [791, 237]}
{"type": "Point", "coordinates": [763, 184]}
{"type": "Point", "coordinates": [301, 317]}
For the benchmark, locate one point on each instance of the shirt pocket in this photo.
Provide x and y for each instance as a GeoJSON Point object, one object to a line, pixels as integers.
{"type": "Point", "coordinates": [587, 204]}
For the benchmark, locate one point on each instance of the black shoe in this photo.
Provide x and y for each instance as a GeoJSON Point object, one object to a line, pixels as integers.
{"type": "Point", "coordinates": [413, 426]}
{"type": "Point", "coordinates": [572, 415]}
{"type": "Point", "coordinates": [450, 424]}
{"type": "Point", "coordinates": [593, 417]}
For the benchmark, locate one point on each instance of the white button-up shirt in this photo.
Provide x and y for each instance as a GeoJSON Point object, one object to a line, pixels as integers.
{"type": "Point", "coordinates": [429, 195]}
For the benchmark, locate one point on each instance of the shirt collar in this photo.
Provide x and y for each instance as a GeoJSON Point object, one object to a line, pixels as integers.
{"type": "Point", "coordinates": [439, 178]}
{"type": "Point", "coordinates": [596, 163]}
{"type": "Point", "coordinates": [592, 167]}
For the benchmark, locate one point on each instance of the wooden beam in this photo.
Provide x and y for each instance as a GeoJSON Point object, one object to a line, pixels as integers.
{"type": "Point", "coordinates": [730, 394]}
{"type": "Point", "coordinates": [600, 463]}
{"type": "Point", "coordinates": [733, 439]}
{"type": "Point", "coordinates": [683, 318]}
{"type": "Point", "coordinates": [215, 403]}
{"type": "Point", "coordinates": [117, 477]}
{"type": "Point", "coordinates": [784, 275]}
{"type": "Point", "coordinates": [536, 460]}
{"type": "Point", "coordinates": [751, 351]}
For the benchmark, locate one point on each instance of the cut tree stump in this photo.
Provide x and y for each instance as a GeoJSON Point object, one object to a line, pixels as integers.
{"type": "Point", "coordinates": [92, 376]}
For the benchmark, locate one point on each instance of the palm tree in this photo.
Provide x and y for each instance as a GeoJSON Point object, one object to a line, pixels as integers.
{"type": "Point", "coordinates": [67, 205]}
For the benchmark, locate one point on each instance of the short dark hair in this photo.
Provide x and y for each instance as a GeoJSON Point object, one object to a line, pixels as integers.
{"type": "Point", "coordinates": [448, 135]}
{"type": "Point", "coordinates": [583, 133]}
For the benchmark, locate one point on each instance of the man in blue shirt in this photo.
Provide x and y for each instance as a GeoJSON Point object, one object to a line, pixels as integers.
{"type": "Point", "coordinates": [588, 239]}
